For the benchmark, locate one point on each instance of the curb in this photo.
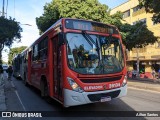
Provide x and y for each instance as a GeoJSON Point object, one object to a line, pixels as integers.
{"type": "Point", "coordinates": [144, 88]}
{"type": "Point", "coordinates": [156, 81]}
{"type": "Point", "coordinates": [144, 85]}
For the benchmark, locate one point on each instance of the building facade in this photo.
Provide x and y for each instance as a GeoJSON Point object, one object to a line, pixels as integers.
{"type": "Point", "coordinates": [148, 57]}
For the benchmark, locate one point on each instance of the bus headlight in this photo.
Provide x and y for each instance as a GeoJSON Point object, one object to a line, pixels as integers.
{"type": "Point", "coordinates": [124, 81]}
{"type": "Point", "coordinates": [74, 85]}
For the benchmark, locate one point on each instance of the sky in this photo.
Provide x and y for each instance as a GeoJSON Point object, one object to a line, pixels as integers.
{"type": "Point", "coordinates": [25, 12]}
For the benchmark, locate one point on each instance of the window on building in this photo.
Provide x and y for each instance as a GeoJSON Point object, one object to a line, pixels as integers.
{"type": "Point", "coordinates": [141, 20]}
{"type": "Point", "coordinates": [135, 9]}
{"type": "Point", "coordinates": [126, 14]}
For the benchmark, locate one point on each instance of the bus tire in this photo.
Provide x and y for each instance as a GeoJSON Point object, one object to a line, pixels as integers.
{"type": "Point", "coordinates": [42, 88]}
{"type": "Point", "coordinates": [44, 91]}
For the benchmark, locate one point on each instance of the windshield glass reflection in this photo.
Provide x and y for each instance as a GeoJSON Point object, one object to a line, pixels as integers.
{"type": "Point", "coordinates": [94, 54]}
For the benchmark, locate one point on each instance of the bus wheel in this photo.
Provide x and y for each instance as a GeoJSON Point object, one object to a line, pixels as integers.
{"type": "Point", "coordinates": [42, 88]}
{"type": "Point", "coordinates": [44, 91]}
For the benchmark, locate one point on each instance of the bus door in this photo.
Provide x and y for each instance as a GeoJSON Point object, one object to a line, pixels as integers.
{"type": "Point", "coordinates": [57, 83]}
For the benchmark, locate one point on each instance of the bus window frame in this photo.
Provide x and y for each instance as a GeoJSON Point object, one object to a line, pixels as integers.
{"type": "Point", "coordinates": [43, 49]}
{"type": "Point", "coordinates": [92, 34]}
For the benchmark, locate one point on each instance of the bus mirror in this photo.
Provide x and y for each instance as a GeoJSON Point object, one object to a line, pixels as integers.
{"type": "Point", "coordinates": [61, 39]}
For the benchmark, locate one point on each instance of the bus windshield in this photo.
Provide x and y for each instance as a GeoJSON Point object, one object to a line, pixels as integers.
{"type": "Point", "coordinates": [94, 54]}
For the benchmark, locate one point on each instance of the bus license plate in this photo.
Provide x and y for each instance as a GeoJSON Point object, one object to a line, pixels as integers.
{"type": "Point", "coordinates": [104, 99]}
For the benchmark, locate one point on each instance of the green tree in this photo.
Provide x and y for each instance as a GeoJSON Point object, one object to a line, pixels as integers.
{"type": "Point", "coordinates": [15, 51]}
{"type": "Point", "coordinates": [137, 36]}
{"type": "Point", "coordinates": [152, 6]}
{"type": "Point", "coordinates": [9, 32]}
{"type": "Point", "coordinates": [93, 10]}
{"type": "Point", "coordinates": [82, 9]}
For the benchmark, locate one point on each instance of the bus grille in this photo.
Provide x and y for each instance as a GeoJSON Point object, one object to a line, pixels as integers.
{"type": "Point", "coordinates": [101, 80]}
{"type": "Point", "coordinates": [97, 97]}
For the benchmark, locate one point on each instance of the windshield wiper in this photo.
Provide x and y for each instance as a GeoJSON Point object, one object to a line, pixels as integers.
{"type": "Point", "coordinates": [90, 40]}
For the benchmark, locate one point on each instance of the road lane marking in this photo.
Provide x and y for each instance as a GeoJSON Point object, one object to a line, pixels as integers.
{"type": "Point", "coordinates": [19, 98]}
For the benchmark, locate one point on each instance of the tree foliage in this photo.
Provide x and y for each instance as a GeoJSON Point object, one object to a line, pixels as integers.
{"type": "Point", "coordinates": [94, 10]}
{"type": "Point", "coordinates": [81, 9]}
{"type": "Point", "coordinates": [10, 31]}
{"type": "Point", "coordinates": [152, 6]}
{"type": "Point", "coordinates": [15, 51]}
{"type": "Point", "coordinates": [137, 36]}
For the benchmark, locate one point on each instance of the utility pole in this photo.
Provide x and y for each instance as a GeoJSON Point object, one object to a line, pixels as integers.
{"type": "Point", "coordinates": [3, 9]}
{"type": "Point", "coordinates": [137, 61]}
{"type": "Point", "coordinates": [137, 48]}
{"type": "Point", "coordinates": [6, 8]}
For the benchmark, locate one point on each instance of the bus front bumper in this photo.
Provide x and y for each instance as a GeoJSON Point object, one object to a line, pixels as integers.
{"type": "Point", "coordinates": [72, 98]}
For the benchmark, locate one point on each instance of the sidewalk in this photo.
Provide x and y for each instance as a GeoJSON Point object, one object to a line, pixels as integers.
{"type": "Point", "coordinates": [142, 83]}
{"type": "Point", "coordinates": [3, 106]}
{"type": "Point", "coordinates": [2, 98]}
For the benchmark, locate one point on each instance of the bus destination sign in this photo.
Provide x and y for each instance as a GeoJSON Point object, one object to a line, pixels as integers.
{"type": "Point", "coordinates": [90, 26]}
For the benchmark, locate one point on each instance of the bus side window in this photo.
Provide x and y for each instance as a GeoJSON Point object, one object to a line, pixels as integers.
{"type": "Point", "coordinates": [43, 49]}
{"type": "Point", "coordinates": [35, 53]}
{"type": "Point", "coordinates": [25, 59]}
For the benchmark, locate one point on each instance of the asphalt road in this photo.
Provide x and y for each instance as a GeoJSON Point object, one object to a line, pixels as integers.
{"type": "Point", "coordinates": [22, 98]}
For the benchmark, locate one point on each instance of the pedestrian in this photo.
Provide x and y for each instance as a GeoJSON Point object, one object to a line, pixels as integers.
{"type": "Point", "coordinates": [153, 73]}
{"type": "Point", "coordinates": [9, 71]}
{"type": "Point", "coordinates": [134, 73]}
{"type": "Point", "coordinates": [1, 75]}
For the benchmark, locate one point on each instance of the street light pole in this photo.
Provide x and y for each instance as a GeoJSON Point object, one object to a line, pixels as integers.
{"type": "Point", "coordinates": [3, 9]}
{"type": "Point", "coordinates": [137, 47]}
{"type": "Point", "coordinates": [137, 61]}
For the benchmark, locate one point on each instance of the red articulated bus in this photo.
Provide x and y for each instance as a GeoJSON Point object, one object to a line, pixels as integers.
{"type": "Point", "coordinates": [77, 62]}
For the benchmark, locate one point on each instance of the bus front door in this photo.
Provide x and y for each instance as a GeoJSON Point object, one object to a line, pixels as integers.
{"type": "Point", "coordinates": [57, 83]}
